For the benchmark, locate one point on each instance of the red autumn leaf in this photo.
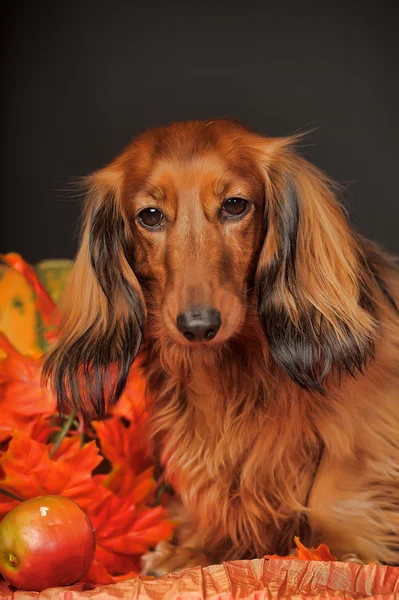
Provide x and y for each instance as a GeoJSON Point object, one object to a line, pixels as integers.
{"type": "Point", "coordinates": [123, 532]}
{"type": "Point", "coordinates": [133, 404]}
{"type": "Point", "coordinates": [321, 553]}
{"type": "Point", "coordinates": [22, 399]}
{"type": "Point", "coordinates": [124, 482]}
{"type": "Point", "coordinates": [123, 444]}
{"type": "Point", "coordinates": [42, 428]}
{"type": "Point", "coordinates": [29, 471]}
{"type": "Point", "coordinates": [98, 574]}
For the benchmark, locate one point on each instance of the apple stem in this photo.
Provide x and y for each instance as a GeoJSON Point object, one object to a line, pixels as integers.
{"type": "Point", "coordinates": [65, 428]}
{"type": "Point", "coordinates": [12, 559]}
{"type": "Point", "coordinates": [11, 495]}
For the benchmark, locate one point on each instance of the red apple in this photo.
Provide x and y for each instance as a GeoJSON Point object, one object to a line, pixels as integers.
{"type": "Point", "coordinates": [45, 542]}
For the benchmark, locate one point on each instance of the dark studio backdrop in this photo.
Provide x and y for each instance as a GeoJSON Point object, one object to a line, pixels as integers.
{"type": "Point", "coordinates": [80, 79]}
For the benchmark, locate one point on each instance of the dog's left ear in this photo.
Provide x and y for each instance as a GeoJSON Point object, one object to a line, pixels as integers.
{"type": "Point", "coordinates": [315, 293]}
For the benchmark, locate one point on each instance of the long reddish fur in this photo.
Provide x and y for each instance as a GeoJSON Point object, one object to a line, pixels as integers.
{"type": "Point", "coordinates": [254, 444]}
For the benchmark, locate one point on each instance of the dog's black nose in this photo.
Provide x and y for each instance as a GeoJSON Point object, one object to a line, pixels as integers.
{"type": "Point", "coordinates": [199, 324]}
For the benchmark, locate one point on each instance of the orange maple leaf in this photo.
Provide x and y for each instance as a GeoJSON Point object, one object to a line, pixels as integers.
{"type": "Point", "coordinates": [124, 443]}
{"type": "Point", "coordinates": [126, 447]}
{"type": "Point", "coordinates": [123, 532]}
{"type": "Point", "coordinates": [98, 574]}
{"type": "Point", "coordinates": [29, 470]}
{"type": "Point", "coordinates": [124, 482]}
{"type": "Point", "coordinates": [125, 526]}
{"type": "Point", "coordinates": [321, 553]}
{"type": "Point", "coordinates": [133, 404]}
{"type": "Point", "coordinates": [23, 402]}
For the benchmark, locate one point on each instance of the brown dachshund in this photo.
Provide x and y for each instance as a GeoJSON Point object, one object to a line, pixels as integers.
{"type": "Point", "coordinates": [271, 340]}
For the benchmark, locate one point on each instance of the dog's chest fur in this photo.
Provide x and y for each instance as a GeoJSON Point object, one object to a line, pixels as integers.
{"type": "Point", "coordinates": [240, 452]}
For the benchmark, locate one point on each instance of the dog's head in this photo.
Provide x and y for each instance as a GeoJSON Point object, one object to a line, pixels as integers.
{"type": "Point", "coordinates": [182, 231]}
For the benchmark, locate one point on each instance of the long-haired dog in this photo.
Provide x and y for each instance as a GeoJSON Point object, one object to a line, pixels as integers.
{"type": "Point", "coordinates": [271, 341]}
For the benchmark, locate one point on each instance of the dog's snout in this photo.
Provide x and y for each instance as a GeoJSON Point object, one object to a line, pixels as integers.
{"type": "Point", "coordinates": [199, 324]}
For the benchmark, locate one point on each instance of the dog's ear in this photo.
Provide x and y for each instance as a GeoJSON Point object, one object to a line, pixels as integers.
{"type": "Point", "coordinates": [315, 291]}
{"type": "Point", "coordinates": [103, 310]}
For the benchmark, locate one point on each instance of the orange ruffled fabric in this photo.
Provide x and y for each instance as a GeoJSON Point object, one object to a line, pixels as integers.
{"type": "Point", "coordinates": [243, 580]}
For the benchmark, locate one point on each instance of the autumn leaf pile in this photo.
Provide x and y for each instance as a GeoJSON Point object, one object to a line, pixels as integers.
{"type": "Point", "coordinates": [103, 466]}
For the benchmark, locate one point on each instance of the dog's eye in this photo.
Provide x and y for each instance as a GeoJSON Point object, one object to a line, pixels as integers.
{"type": "Point", "coordinates": [235, 207]}
{"type": "Point", "coordinates": [151, 217]}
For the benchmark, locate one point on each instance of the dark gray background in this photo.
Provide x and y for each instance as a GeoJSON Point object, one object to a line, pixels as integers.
{"type": "Point", "coordinates": [80, 79]}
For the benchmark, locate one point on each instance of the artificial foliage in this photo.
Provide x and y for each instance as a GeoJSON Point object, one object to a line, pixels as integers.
{"type": "Point", "coordinates": [106, 466]}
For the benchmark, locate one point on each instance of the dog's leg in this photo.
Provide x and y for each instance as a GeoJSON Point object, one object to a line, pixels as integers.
{"type": "Point", "coordinates": [170, 557]}
{"type": "Point", "coordinates": [185, 550]}
{"type": "Point", "coordinates": [353, 558]}
{"type": "Point", "coordinates": [355, 512]}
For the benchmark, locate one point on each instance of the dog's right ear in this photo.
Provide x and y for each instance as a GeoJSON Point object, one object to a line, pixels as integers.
{"type": "Point", "coordinates": [103, 309]}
